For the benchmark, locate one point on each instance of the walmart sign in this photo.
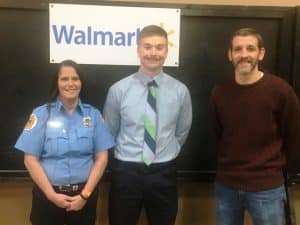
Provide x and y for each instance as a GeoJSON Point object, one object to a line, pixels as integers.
{"type": "Point", "coordinates": [107, 34]}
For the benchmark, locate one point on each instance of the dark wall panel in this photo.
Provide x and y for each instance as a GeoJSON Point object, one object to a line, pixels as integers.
{"type": "Point", "coordinates": [25, 73]}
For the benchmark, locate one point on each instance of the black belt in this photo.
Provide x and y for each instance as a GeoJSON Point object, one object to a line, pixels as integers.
{"type": "Point", "coordinates": [69, 187]}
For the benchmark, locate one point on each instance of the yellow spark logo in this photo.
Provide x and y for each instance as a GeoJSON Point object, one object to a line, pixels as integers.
{"type": "Point", "coordinates": [169, 32]}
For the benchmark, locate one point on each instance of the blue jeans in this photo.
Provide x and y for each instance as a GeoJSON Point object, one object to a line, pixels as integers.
{"type": "Point", "coordinates": [265, 207]}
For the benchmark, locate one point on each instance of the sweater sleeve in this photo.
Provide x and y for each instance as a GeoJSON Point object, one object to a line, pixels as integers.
{"type": "Point", "coordinates": [215, 124]}
{"type": "Point", "coordinates": [290, 124]}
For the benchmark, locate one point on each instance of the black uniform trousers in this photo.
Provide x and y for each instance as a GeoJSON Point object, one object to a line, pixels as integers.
{"type": "Point", "coordinates": [136, 185]}
{"type": "Point", "coordinates": [44, 212]}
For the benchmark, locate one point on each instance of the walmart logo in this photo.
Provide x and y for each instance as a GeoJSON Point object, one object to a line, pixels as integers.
{"type": "Point", "coordinates": [72, 35]}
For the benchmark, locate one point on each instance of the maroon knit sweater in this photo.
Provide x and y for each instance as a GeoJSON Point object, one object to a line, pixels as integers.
{"type": "Point", "coordinates": [258, 130]}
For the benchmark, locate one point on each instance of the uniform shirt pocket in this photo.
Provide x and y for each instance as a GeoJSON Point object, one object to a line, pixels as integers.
{"type": "Point", "coordinates": [85, 140]}
{"type": "Point", "coordinates": [56, 142]}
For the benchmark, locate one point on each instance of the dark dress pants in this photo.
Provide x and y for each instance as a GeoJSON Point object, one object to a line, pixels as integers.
{"type": "Point", "coordinates": [44, 212]}
{"type": "Point", "coordinates": [136, 185]}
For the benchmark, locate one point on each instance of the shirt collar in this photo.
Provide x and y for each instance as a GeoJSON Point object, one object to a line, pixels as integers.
{"type": "Point", "coordinates": [59, 105]}
{"type": "Point", "coordinates": [146, 79]}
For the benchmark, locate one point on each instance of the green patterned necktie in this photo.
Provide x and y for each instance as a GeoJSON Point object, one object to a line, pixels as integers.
{"type": "Point", "coordinates": [150, 121]}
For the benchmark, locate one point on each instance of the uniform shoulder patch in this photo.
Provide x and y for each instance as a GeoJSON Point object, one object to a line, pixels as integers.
{"type": "Point", "coordinates": [31, 122]}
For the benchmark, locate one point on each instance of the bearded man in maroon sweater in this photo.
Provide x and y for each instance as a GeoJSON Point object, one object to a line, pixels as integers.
{"type": "Point", "coordinates": [256, 119]}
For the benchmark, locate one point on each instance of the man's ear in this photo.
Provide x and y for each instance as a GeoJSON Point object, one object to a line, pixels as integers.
{"type": "Point", "coordinates": [262, 53]}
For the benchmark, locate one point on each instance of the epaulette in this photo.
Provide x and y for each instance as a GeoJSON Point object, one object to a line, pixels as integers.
{"type": "Point", "coordinates": [50, 104]}
{"type": "Point", "coordinates": [86, 105]}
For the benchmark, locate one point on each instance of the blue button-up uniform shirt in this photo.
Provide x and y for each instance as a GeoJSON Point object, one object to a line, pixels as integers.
{"type": "Point", "coordinates": [66, 143]}
{"type": "Point", "coordinates": [124, 112]}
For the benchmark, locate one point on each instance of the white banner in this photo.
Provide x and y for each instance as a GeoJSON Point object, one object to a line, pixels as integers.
{"type": "Point", "coordinates": [91, 34]}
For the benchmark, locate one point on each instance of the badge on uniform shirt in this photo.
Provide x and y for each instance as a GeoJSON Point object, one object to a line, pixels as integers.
{"type": "Point", "coordinates": [31, 122]}
{"type": "Point", "coordinates": [87, 121]}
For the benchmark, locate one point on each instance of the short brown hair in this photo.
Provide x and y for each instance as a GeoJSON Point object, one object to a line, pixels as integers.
{"type": "Point", "coordinates": [248, 32]}
{"type": "Point", "coordinates": [153, 30]}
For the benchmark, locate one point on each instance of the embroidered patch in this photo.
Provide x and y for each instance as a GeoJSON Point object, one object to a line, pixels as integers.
{"type": "Point", "coordinates": [87, 121]}
{"type": "Point", "coordinates": [31, 122]}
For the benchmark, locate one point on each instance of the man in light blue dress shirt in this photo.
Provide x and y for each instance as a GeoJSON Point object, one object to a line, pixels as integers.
{"type": "Point", "coordinates": [136, 184]}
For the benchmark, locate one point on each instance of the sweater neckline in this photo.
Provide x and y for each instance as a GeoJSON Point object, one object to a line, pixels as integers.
{"type": "Point", "coordinates": [246, 86]}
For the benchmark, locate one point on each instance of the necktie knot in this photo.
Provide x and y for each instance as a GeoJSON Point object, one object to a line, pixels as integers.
{"type": "Point", "coordinates": [152, 83]}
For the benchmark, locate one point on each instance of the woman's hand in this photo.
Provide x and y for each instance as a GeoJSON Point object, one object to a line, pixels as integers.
{"type": "Point", "coordinates": [61, 200]}
{"type": "Point", "coordinates": [76, 203]}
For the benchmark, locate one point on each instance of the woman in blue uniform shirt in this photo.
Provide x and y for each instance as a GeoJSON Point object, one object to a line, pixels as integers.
{"type": "Point", "coordinates": [65, 144]}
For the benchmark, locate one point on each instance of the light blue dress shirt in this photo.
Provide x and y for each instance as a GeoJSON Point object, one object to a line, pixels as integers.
{"type": "Point", "coordinates": [124, 112]}
{"type": "Point", "coordinates": [66, 144]}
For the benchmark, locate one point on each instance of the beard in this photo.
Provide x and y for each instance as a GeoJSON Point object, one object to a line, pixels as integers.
{"type": "Point", "coordinates": [245, 69]}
